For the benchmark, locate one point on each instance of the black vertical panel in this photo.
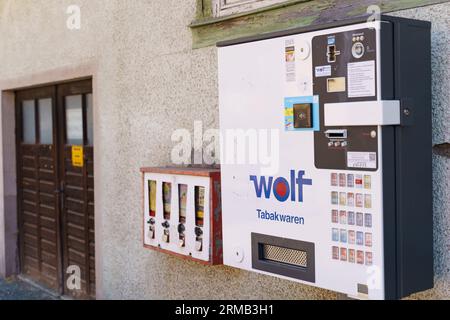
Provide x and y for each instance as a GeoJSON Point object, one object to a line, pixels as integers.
{"type": "Point", "coordinates": [413, 154]}
{"type": "Point", "coordinates": [388, 160]}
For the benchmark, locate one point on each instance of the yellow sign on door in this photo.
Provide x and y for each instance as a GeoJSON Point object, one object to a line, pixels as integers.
{"type": "Point", "coordinates": [77, 156]}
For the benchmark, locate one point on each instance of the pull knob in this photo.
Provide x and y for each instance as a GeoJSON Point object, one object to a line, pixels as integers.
{"type": "Point", "coordinates": [166, 224]}
{"type": "Point", "coordinates": [198, 231]}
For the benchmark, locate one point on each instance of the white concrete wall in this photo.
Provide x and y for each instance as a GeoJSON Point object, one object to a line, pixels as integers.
{"type": "Point", "coordinates": [147, 82]}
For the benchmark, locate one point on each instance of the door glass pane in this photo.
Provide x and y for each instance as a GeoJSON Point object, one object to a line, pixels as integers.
{"type": "Point", "coordinates": [28, 122]}
{"type": "Point", "coordinates": [74, 120]}
{"type": "Point", "coordinates": [45, 121]}
{"type": "Point", "coordinates": [90, 119]}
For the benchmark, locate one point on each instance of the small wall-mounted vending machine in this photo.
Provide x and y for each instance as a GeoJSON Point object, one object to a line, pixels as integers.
{"type": "Point", "coordinates": [182, 212]}
{"type": "Point", "coordinates": [337, 189]}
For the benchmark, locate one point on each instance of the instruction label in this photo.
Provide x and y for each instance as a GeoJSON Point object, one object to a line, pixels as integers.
{"type": "Point", "coordinates": [290, 60]}
{"type": "Point", "coordinates": [362, 160]}
{"type": "Point", "coordinates": [361, 79]}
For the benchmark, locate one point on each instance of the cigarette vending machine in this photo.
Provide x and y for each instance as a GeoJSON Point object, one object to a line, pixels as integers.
{"type": "Point", "coordinates": [334, 188]}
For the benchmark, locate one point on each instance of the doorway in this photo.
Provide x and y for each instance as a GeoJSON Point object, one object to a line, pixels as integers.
{"type": "Point", "coordinates": [55, 187]}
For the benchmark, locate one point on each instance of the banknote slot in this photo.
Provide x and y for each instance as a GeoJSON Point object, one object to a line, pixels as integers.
{"type": "Point", "coordinates": [336, 134]}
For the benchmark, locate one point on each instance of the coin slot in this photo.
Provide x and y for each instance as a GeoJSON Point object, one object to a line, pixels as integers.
{"type": "Point", "coordinates": [332, 53]}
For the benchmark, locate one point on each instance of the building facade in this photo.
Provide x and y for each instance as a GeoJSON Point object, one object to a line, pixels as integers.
{"type": "Point", "coordinates": [127, 74]}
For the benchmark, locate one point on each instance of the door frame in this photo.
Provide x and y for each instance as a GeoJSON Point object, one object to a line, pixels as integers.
{"type": "Point", "coordinates": [8, 191]}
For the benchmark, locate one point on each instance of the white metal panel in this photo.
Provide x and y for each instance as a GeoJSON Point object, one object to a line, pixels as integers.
{"type": "Point", "coordinates": [367, 113]}
{"type": "Point", "coordinates": [252, 88]}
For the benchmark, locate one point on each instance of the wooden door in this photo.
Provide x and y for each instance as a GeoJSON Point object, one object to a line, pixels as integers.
{"type": "Point", "coordinates": [37, 180]}
{"type": "Point", "coordinates": [77, 182]}
{"type": "Point", "coordinates": [56, 198]}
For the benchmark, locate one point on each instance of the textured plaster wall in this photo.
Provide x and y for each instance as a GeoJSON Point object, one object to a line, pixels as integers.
{"type": "Point", "coordinates": [149, 82]}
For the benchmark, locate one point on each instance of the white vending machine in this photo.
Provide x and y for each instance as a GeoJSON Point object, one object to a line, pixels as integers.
{"type": "Point", "coordinates": [326, 156]}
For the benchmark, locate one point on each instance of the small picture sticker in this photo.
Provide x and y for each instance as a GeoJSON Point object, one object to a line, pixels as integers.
{"type": "Point", "coordinates": [350, 180]}
{"type": "Point", "coordinates": [350, 199]}
{"type": "Point", "coordinates": [351, 218]}
{"type": "Point", "coordinates": [342, 180]}
{"type": "Point", "coordinates": [360, 257]}
{"type": "Point", "coordinates": [359, 200]}
{"type": "Point", "coordinates": [334, 216]}
{"type": "Point", "coordinates": [351, 237]}
{"type": "Point", "coordinates": [343, 236]}
{"type": "Point", "coordinates": [369, 259]}
{"type": "Point", "coordinates": [360, 238]}
{"type": "Point", "coordinates": [351, 255]}
{"type": "Point", "coordinates": [334, 198]}
{"type": "Point", "coordinates": [358, 181]}
{"type": "Point", "coordinates": [343, 254]}
{"type": "Point", "coordinates": [335, 253]}
{"type": "Point", "coordinates": [359, 219]}
{"type": "Point", "coordinates": [367, 201]}
{"type": "Point", "coordinates": [335, 235]}
{"type": "Point", "coordinates": [368, 220]}
{"type": "Point", "coordinates": [368, 239]}
{"type": "Point", "coordinates": [367, 182]}
{"type": "Point", "coordinates": [343, 199]}
{"type": "Point", "coordinates": [343, 217]}
{"type": "Point", "coordinates": [334, 179]}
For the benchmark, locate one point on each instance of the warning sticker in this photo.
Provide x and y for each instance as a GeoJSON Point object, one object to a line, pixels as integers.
{"type": "Point", "coordinates": [77, 156]}
{"type": "Point", "coordinates": [290, 61]}
{"type": "Point", "coordinates": [323, 71]}
{"type": "Point", "coordinates": [361, 79]}
{"type": "Point", "coordinates": [366, 160]}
